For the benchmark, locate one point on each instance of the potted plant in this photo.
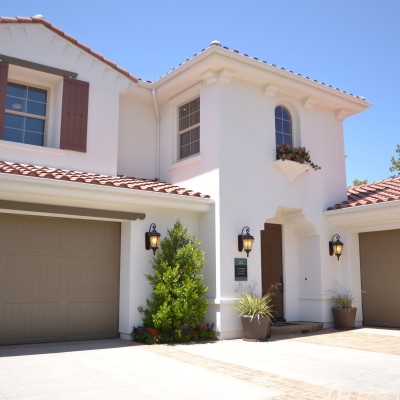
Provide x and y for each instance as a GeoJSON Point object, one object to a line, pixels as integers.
{"type": "Point", "coordinates": [256, 314]}
{"type": "Point", "coordinates": [343, 310]}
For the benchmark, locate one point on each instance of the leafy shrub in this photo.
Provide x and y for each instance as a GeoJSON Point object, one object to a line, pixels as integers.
{"type": "Point", "coordinates": [177, 305]}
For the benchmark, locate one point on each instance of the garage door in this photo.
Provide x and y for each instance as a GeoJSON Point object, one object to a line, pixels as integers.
{"type": "Point", "coordinates": [380, 278]}
{"type": "Point", "coordinates": [59, 279]}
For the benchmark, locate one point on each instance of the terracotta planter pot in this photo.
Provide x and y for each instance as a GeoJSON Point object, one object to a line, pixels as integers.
{"type": "Point", "coordinates": [344, 317]}
{"type": "Point", "coordinates": [256, 328]}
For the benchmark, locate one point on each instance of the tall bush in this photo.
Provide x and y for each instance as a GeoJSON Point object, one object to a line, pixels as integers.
{"type": "Point", "coordinates": [178, 301]}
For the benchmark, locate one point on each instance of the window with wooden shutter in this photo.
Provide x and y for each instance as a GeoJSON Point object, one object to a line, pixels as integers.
{"type": "Point", "coordinates": [3, 91]}
{"type": "Point", "coordinates": [74, 115]}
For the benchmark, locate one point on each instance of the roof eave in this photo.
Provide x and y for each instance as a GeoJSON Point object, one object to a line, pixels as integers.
{"type": "Point", "coordinates": [48, 191]}
{"type": "Point", "coordinates": [358, 101]}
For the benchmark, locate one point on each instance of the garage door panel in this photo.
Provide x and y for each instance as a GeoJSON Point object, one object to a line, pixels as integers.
{"type": "Point", "coordinates": [94, 277]}
{"type": "Point", "coordinates": [34, 276]}
{"type": "Point", "coordinates": [81, 244]}
{"type": "Point", "coordinates": [92, 318]}
{"type": "Point", "coordinates": [30, 235]}
{"type": "Point", "coordinates": [27, 320]}
{"type": "Point", "coordinates": [63, 286]}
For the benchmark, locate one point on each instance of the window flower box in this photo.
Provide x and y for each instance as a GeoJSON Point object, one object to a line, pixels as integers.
{"type": "Point", "coordinates": [293, 161]}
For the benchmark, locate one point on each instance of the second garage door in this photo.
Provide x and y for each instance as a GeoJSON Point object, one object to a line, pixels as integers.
{"type": "Point", "coordinates": [380, 278]}
{"type": "Point", "coordinates": [59, 279]}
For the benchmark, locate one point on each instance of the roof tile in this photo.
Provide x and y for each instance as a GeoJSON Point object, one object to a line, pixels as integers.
{"type": "Point", "coordinates": [124, 182]}
{"type": "Point", "coordinates": [371, 193]}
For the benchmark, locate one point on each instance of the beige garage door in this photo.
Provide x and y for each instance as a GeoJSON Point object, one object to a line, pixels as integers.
{"type": "Point", "coordinates": [380, 278]}
{"type": "Point", "coordinates": [59, 279]}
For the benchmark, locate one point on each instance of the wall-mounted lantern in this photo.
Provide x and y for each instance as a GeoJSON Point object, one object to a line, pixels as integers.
{"type": "Point", "coordinates": [152, 238]}
{"type": "Point", "coordinates": [245, 241]}
{"type": "Point", "coordinates": [336, 246]}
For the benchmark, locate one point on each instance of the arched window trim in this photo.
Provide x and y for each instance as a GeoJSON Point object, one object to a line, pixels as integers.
{"type": "Point", "coordinates": [296, 122]}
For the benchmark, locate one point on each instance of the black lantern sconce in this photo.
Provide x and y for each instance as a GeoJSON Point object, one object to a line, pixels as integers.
{"type": "Point", "coordinates": [152, 238]}
{"type": "Point", "coordinates": [245, 241]}
{"type": "Point", "coordinates": [336, 246]}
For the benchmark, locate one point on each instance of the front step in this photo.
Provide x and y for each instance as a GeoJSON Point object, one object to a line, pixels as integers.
{"type": "Point", "coordinates": [295, 328]}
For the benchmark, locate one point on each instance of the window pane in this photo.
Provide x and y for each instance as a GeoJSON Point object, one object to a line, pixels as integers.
{"type": "Point", "coordinates": [286, 126]}
{"type": "Point", "coordinates": [195, 105]}
{"type": "Point", "coordinates": [278, 112]}
{"type": "Point", "coordinates": [185, 139]}
{"type": "Point", "coordinates": [13, 135]}
{"type": "Point", "coordinates": [15, 104]}
{"type": "Point", "coordinates": [13, 89]}
{"type": "Point", "coordinates": [184, 152]}
{"type": "Point", "coordinates": [279, 138]}
{"type": "Point", "coordinates": [34, 125]}
{"type": "Point", "coordinates": [13, 121]}
{"type": "Point", "coordinates": [36, 108]}
{"type": "Point", "coordinates": [287, 139]}
{"type": "Point", "coordinates": [278, 125]}
{"type": "Point", "coordinates": [195, 118]}
{"type": "Point", "coordinates": [184, 123]}
{"type": "Point", "coordinates": [195, 134]}
{"type": "Point", "coordinates": [184, 111]}
{"type": "Point", "coordinates": [37, 95]}
{"type": "Point", "coordinates": [34, 138]}
{"type": "Point", "coordinates": [195, 147]}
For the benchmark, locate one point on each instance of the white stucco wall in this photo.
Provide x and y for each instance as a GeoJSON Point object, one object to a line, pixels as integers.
{"type": "Point", "coordinates": [35, 43]}
{"type": "Point", "coordinates": [236, 166]}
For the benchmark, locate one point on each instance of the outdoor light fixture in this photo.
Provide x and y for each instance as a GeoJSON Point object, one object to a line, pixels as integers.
{"type": "Point", "coordinates": [152, 238]}
{"type": "Point", "coordinates": [336, 246]}
{"type": "Point", "coordinates": [245, 241]}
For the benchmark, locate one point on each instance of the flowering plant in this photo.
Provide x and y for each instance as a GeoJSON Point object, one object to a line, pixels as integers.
{"type": "Point", "coordinates": [297, 154]}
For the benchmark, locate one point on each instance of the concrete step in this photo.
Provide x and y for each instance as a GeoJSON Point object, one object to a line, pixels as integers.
{"type": "Point", "coordinates": [295, 328]}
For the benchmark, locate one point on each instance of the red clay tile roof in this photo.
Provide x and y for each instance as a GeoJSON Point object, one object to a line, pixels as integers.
{"type": "Point", "coordinates": [371, 193]}
{"type": "Point", "coordinates": [41, 20]}
{"type": "Point", "coordinates": [125, 182]}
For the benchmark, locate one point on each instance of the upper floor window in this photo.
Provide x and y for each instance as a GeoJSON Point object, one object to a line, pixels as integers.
{"type": "Point", "coordinates": [25, 114]}
{"type": "Point", "coordinates": [283, 126]}
{"type": "Point", "coordinates": [189, 129]}
{"type": "Point", "coordinates": [24, 108]}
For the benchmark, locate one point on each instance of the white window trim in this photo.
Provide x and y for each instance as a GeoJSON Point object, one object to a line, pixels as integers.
{"type": "Point", "coordinates": [188, 129]}
{"type": "Point", "coordinates": [296, 120]}
{"type": "Point", "coordinates": [53, 85]}
{"type": "Point", "coordinates": [175, 102]}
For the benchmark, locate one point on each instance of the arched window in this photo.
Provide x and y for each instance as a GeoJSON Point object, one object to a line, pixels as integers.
{"type": "Point", "coordinates": [283, 126]}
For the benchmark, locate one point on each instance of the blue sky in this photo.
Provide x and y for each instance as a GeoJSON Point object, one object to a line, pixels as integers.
{"type": "Point", "coordinates": [350, 44]}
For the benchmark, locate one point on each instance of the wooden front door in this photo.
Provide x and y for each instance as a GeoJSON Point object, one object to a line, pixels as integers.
{"type": "Point", "coordinates": [272, 266]}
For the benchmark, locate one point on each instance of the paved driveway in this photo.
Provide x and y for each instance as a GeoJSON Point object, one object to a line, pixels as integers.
{"type": "Point", "coordinates": [358, 364]}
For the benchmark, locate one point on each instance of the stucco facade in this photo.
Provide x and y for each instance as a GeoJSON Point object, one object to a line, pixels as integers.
{"type": "Point", "coordinates": [132, 130]}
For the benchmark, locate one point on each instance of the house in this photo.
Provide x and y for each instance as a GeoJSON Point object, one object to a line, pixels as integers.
{"type": "Point", "coordinates": [91, 157]}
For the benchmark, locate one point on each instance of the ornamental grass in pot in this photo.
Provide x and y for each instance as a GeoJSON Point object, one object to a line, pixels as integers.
{"type": "Point", "coordinates": [343, 310]}
{"type": "Point", "coordinates": [256, 314]}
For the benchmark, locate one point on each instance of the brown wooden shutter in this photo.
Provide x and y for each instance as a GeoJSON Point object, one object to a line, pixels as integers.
{"type": "Point", "coordinates": [3, 93]}
{"type": "Point", "coordinates": [74, 115]}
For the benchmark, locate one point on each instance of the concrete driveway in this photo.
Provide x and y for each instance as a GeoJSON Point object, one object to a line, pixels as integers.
{"type": "Point", "coordinates": [358, 364]}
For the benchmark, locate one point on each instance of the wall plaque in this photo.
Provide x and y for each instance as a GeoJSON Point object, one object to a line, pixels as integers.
{"type": "Point", "coordinates": [240, 269]}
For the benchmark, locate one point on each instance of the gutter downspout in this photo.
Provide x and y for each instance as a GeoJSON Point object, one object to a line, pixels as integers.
{"type": "Point", "coordinates": [154, 93]}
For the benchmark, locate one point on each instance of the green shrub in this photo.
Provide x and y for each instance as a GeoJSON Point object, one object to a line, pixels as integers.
{"type": "Point", "coordinates": [178, 303]}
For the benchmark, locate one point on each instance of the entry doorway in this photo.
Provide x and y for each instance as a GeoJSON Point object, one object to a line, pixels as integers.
{"type": "Point", "coordinates": [272, 267]}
